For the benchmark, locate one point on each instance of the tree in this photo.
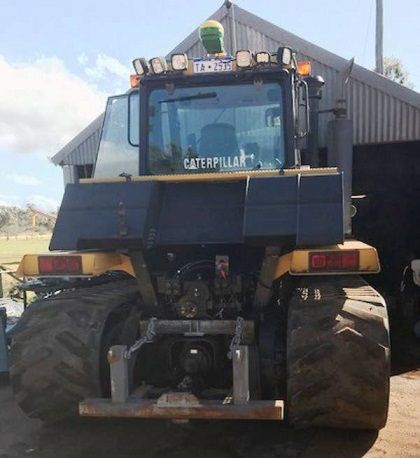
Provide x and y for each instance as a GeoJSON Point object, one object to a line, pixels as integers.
{"type": "Point", "coordinates": [395, 71]}
{"type": "Point", "coordinates": [4, 217]}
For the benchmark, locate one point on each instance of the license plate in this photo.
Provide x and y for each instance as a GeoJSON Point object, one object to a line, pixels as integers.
{"type": "Point", "coordinates": [212, 66]}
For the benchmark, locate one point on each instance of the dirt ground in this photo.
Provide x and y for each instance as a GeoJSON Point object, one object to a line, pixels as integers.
{"type": "Point", "coordinates": [21, 437]}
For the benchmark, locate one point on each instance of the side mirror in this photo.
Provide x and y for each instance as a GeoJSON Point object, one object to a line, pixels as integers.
{"type": "Point", "coordinates": [302, 110]}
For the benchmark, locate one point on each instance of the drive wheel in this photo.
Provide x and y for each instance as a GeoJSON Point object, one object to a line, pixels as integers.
{"type": "Point", "coordinates": [338, 354]}
{"type": "Point", "coordinates": [57, 354]}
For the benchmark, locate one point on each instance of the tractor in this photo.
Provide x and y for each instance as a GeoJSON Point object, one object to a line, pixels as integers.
{"type": "Point", "coordinates": [207, 270]}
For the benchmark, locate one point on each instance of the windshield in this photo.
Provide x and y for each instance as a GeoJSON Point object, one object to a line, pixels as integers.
{"type": "Point", "coordinates": [116, 153]}
{"type": "Point", "coordinates": [216, 128]}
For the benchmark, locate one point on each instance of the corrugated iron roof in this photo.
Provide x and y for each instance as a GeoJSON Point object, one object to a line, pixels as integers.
{"type": "Point", "coordinates": [383, 111]}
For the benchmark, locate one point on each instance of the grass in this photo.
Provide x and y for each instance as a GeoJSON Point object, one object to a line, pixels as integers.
{"type": "Point", "coordinates": [12, 250]}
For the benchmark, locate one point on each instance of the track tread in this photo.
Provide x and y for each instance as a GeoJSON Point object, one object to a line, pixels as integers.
{"type": "Point", "coordinates": [56, 349]}
{"type": "Point", "coordinates": [338, 354]}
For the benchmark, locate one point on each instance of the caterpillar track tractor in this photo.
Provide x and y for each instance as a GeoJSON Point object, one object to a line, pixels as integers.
{"type": "Point", "coordinates": [204, 271]}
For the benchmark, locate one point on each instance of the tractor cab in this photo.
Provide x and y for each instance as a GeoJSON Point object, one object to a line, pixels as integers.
{"type": "Point", "coordinates": [208, 115]}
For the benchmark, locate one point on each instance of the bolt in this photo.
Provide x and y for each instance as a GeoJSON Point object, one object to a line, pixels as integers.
{"type": "Point", "coordinates": [112, 357]}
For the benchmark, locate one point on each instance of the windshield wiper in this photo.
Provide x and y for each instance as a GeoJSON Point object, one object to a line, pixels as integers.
{"type": "Point", "coordinates": [125, 175]}
{"type": "Point", "coordinates": [208, 95]}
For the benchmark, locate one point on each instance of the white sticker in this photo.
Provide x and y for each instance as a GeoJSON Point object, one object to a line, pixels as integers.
{"type": "Point", "coordinates": [219, 162]}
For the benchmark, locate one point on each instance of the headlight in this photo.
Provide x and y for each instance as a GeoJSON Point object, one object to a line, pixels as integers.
{"type": "Point", "coordinates": [243, 58]}
{"type": "Point", "coordinates": [140, 66]}
{"type": "Point", "coordinates": [262, 57]}
{"type": "Point", "coordinates": [158, 65]}
{"type": "Point", "coordinates": [179, 62]}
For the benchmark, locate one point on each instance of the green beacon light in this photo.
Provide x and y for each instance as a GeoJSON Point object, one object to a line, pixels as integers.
{"type": "Point", "coordinates": [211, 36]}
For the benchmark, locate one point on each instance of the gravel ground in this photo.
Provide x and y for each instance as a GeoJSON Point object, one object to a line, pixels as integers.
{"type": "Point", "coordinates": [13, 309]}
{"type": "Point", "coordinates": [21, 437]}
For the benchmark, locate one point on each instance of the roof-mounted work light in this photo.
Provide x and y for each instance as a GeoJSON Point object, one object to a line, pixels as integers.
{"type": "Point", "coordinates": [262, 57]}
{"type": "Point", "coordinates": [284, 56]}
{"type": "Point", "coordinates": [179, 62]}
{"type": "Point", "coordinates": [243, 58]}
{"type": "Point", "coordinates": [140, 66]}
{"type": "Point", "coordinates": [158, 65]}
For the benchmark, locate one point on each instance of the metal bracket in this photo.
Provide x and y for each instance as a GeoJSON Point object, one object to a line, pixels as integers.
{"type": "Point", "coordinates": [144, 281]}
{"type": "Point", "coordinates": [122, 219]}
{"type": "Point", "coordinates": [183, 406]}
{"type": "Point", "coordinates": [240, 362]}
{"type": "Point", "coordinates": [118, 365]}
{"type": "Point", "coordinates": [264, 292]}
{"type": "Point", "coordinates": [4, 359]}
{"type": "Point", "coordinates": [198, 328]}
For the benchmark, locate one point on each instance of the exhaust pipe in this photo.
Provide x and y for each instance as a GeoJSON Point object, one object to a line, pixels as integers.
{"type": "Point", "coordinates": [340, 154]}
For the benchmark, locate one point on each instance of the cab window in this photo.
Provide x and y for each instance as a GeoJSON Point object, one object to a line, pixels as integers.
{"type": "Point", "coordinates": [216, 128]}
{"type": "Point", "coordinates": [118, 153]}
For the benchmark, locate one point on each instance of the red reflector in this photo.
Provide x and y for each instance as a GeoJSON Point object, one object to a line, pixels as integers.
{"type": "Point", "coordinates": [350, 259]}
{"type": "Point", "coordinates": [334, 260]}
{"type": "Point", "coordinates": [318, 261]}
{"type": "Point", "coordinates": [60, 264]}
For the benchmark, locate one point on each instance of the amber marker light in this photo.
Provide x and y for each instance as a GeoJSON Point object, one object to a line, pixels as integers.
{"type": "Point", "coordinates": [134, 80]}
{"type": "Point", "coordinates": [304, 68]}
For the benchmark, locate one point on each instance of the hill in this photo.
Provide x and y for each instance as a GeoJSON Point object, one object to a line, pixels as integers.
{"type": "Point", "coordinates": [19, 221]}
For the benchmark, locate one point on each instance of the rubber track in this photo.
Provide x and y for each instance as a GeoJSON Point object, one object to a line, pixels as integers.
{"type": "Point", "coordinates": [56, 349]}
{"type": "Point", "coordinates": [338, 354]}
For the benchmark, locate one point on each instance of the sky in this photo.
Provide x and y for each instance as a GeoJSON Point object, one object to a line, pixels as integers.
{"type": "Point", "coordinates": [59, 61]}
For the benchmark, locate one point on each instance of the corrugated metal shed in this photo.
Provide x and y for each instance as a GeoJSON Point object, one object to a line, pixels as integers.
{"type": "Point", "coordinates": [382, 111]}
{"type": "Point", "coordinates": [82, 149]}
